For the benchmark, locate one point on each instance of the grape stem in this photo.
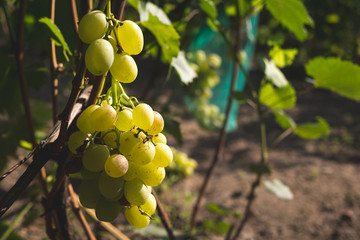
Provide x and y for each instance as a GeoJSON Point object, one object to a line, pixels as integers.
{"type": "Point", "coordinates": [145, 213]}
{"type": "Point", "coordinates": [108, 12]}
{"type": "Point", "coordinates": [127, 98]}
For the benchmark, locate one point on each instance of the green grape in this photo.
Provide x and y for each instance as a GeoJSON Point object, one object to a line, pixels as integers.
{"type": "Point", "coordinates": [151, 175]}
{"type": "Point", "coordinates": [116, 165]}
{"type": "Point", "coordinates": [159, 138]}
{"type": "Point", "coordinates": [130, 37]}
{"type": "Point", "coordinates": [113, 43]}
{"type": "Point", "coordinates": [76, 140]}
{"type": "Point", "coordinates": [88, 175]}
{"type": "Point", "coordinates": [92, 26]}
{"type": "Point", "coordinates": [131, 172]}
{"type": "Point", "coordinates": [124, 120]}
{"type": "Point", "coordinates": [99, 57]}
{"type": "Point", "coordinates": [111, 139]}
{"type": "Point", "coordinates": [150, 206]}
{"type": "Point", "coordinates": [103, 118]}
{"type": "Point", "coordinates": [143, 153]}
{"type": "Point", "coordinates": [158, 124]}
{"type": "Point", "coordinates": [111, 188]}
{"type": "Point", "coordinates": [124, 68]}
{"type": "Point", "coordinates": [136, 192]}
{"type": "Point", "coordinates": [83, 122]}
{"type": "Point", "coordinates": [214, 60]}
{"type": "Point", "coordinates": [94, 157]}
{"type": "Point", "coordinates": [106, 211]}
{"type": "Point", "coordinates": [163, 155]}
{"type": "Point", "coordinates": [135, 218]}
{"type": "Point", "coordinates": [88, 194]}
{"type": "Point", "coordinates": [143, 116]}
{"type": "Point", "coordinates": [127, 142]}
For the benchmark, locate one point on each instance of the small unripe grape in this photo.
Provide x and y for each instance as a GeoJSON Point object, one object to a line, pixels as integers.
{"type": "Point", "coordinates": [143, 116]}
{"type": "Point", "coordinates": [103, 118]}
{"type": "Point", "coordinates": [158, 124]}
{"type": "Point", "coordinates": [130, 37]}
{"type": "Point", "coordinates": [76, 140]}
{"type": "Point", "coordinates": [92, 26]}
{"type": "Point", "coordinates": [135, 218]}
{"type": "Point", "coordinates": [116, 165]}
{"type": "Point", "coordinates": [124, 68]}
{"type": "Point", "coordinates": [83, 121]}
{"type": "Point", "coordinates": [124, 120]}
{"type": "Point", "coordinates": [94, 157]}
{"type": "Point", "coordinates": [99, 57]}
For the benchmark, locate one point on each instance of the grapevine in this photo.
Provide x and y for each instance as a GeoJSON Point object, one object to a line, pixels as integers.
{"type": "Point", "coordinates": [124, 153]}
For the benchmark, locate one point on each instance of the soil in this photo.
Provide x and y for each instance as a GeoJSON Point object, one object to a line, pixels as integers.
{"type": "Point", "coordinates": [323, 176]}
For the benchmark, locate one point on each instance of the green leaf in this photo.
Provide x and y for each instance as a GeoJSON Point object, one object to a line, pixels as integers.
{"type": "Point", "coordinates": [217, 227]}
{"type": "Point", "coordinates": [57, 35]}
{"type": "Point", "coordinates": [292, 14]}
{"type": "Point", "coordinates": [146, 8]}
{"type": "Point", "coordinates": [282, 57]}
{"type": "Point", "coordinates": [284, 120]}
{"type": "Point", "coordinates": [26, 145]}
{"type": "Point", "coordinates": [342, 77]}
{"type": "Point", "coordinates": [277, 98]}
{"type": "Point", "coordinates": [173, 127]}
{"type": "Point", "coordinates": [209, 7]}
{"type": "Point", "coordinates": [274, 75]}
{"type": "Point", "coordinates": [216, 208]}
{"type": "Point", "coordinates": [182, 67]}
{"type": "Point", "coordinates": [313, 130]}
{"type": "Point", "coordinates": [240, 96]}
{"type": "Point", "coordinates": [279, 189]}
{"type": "Point", "coordinates": [133, 3]}
{"type": "Point", "coordinates": [166, 36]}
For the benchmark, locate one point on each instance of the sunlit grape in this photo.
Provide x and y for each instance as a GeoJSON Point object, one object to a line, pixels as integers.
{"type": "Point", "coordinates": [163, 155]}
{"type": "Point", "coordinates": [150, 206]}
{"type": "Point", "coordinates": [83, 121]}
{"type": "Point", "coordinates": [92, 26]}
{"type": "Point", "coordinates": [143, 116]}
{"type": "Point", "coordinates": [151, 175]}
{"type": "Point", "coordinates": [124, 120]}
{"type": "Point", "coordinates": [136, 192]}
{"type": "Point", "coordinates": [142, 153]}
{"type": "Point", "coordinates": [124, 68]}
{"type": "Point", "coordinates": [99, 57]}
{"type": "Point", "coordinates": [135, 218]}
{"type": "Point", "coordinates": [159, 138]}
{"type": "Point", "coordinates": [158, 124]}
{"type": "Point", "coordinates": [103, 118]}
{"type": "Point", "coordinates": [116, 165]}
{"type": "Point", "coordinates": [130, 37]}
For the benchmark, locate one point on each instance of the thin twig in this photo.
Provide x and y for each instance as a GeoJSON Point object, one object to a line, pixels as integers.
{"type": "Point", "coordinates": [75, 21]}
{"type": "Point", "coordinates": [79, 214]}
{"type": "Point", "coordinates": [222, 135]}
{"type": "Point", "coordinates": [164, 217]}
{"type": "Point", "coordinates": [53, 69]}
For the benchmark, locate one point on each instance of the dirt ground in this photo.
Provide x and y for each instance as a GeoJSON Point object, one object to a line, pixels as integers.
{"type": "Point", "coordinates": [322, 174]}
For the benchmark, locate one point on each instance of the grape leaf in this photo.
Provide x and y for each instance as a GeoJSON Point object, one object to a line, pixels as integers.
{"type": "Point", "coordinates": [292, 14]}
{"type": "Point", "coordinates": [282, 57]}
{"type": "Point", "coordinates": [274, 75]}
{"type": "Point", "coordinates": [59, 38]}
{"type": "Point", "coordinates": [284, 120]}
{"type": "Point", "coordinates": [209, 7]}
{"type": "Point", "coordinates": [216, 226]}
{"type": "Point", "coordinates": [342, 77]}
{"type": "Point", "coordinates": [149, 8]}
{"type": "Point", "coordinates": [279, 189]}
{"type": "Point", "coordinates": [277, 98]}
{"type": "Point", "coordinates": [182, 67]}
{"type": "Point", "coordinates": [166, 36]}
{"type": "Point", "coordinates": [313, 130]}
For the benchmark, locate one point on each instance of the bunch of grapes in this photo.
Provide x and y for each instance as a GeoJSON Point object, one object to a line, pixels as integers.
{"type": "Point", "coordinates": [124, 153]}
{"type": "Point", "coordinates": [199, 91]}
{"type": "Point", "coordinates": [182, 164]}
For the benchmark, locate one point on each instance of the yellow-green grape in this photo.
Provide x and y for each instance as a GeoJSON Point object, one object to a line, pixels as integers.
{"type": "Point", "coordinates": [124, 120]}
{"type": "Point", "coordinates": [124, 68]}
{"type": "Point", "coordinates": [130, 37]}
{"type": "Point", "coordinates": [159, 138]}
{"type": "Point", "coordinates": [151, 175]}
{"type": "Point", "coordinates": [92, 26]}
{"type": "Point", "coordinates": [163, 155]}
{"type": "Point", "coordinates": [111, 188]}
{"type": "Point", "coordinates": [76, 140]}
{"type": "Point", "coordinates": [214, 60]}
{"type": "Point", "coordinates": [94, 157]}
{"type": "Point", "coordinates": [106, 211]}
{"type": "Point", "coordinates": [83, 122]}
{"type": "Point", "coordinates": [135, 218]}
{"type": "Point", "coordinates": [113, 43]}
{"type": "Point", "coordinates": [150, 206]}
{"type": "Point", "coordinates": [131, 172]}
{"type": "Point", "coordinates": [143, 153]}
{"type": "Point", "coordinates": [143, 116]}
{"type": "Point", "coordinates": [103, 118]}
{"type": "Point", "coordinates": [136, 192]}
{"type": "Point", "coordinates": [111, 139]}
{"type": "Point", "coordinates": [88, 175]}
{"type": "Point", "coordinates": [99, 57]}
{"type": "Point", "coordinates": [116, 165]}
{"type": "Point", "coordinates": [127, 142]}
{"type": "Point", "coordinates": [158, 124]}
{"type": "Point", "coordinates": [88, 194]}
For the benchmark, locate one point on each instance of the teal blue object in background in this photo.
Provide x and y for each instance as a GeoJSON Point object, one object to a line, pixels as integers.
{"type": "Point", "coordinates": [211, 42]}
